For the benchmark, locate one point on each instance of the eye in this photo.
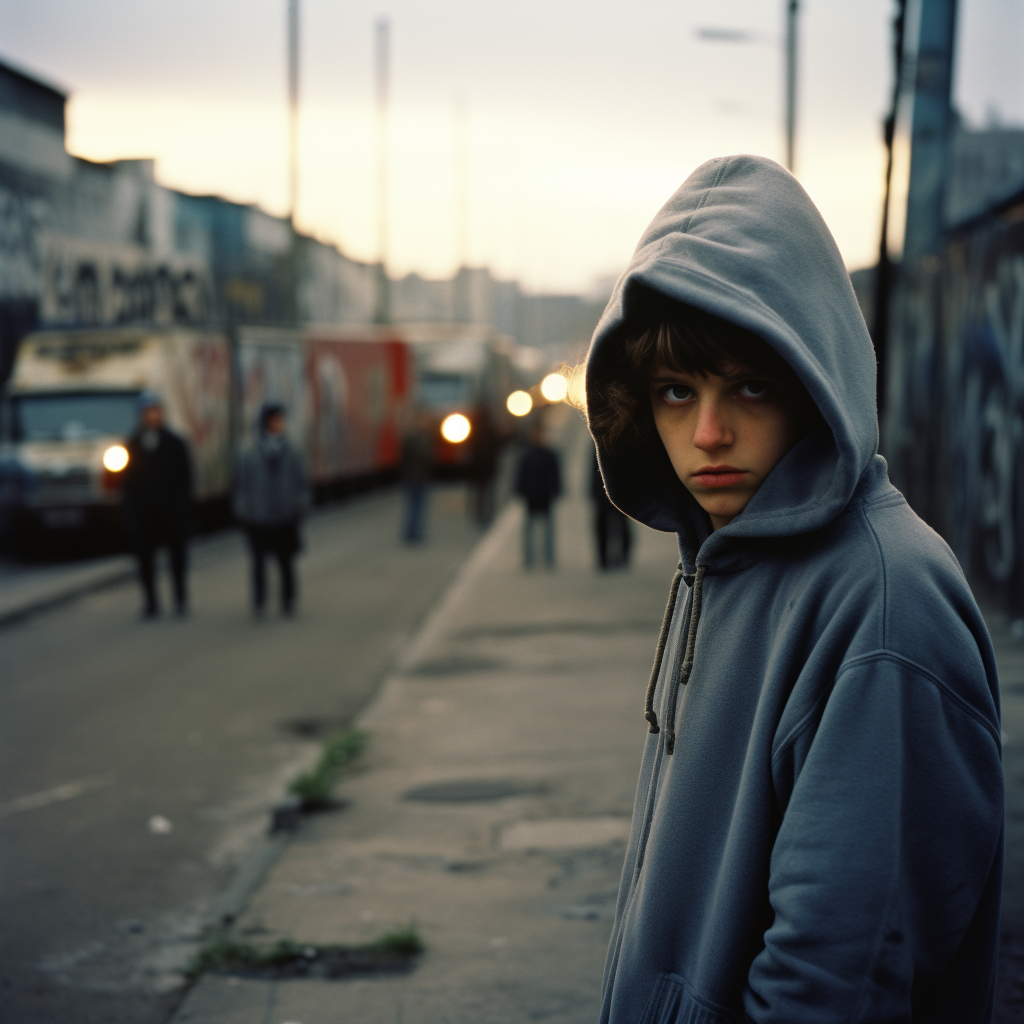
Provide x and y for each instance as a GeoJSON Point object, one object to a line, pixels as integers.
{"type": "Point", "coordinates": [753, 389]}
{"type": "Point", "coordinates": [677, 394]}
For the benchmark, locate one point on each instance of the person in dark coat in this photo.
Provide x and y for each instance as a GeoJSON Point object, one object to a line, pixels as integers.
{"type": "Point", "coordinates": [538, 483]}
{"type": "Point", "coordinates": [611, 527]}
{"type": "Point", "coordinates": [417, 465]}
{"type": "Point", "coordinates": [486, 447]}
{"type": "Point", "coordinates": [157, 486]}
{"type": "Point", "coordinates": [271, 495]}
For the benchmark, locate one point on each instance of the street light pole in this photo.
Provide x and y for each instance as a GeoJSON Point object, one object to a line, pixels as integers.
{"type": "Point", "coordinates": [791, 27]}
{"type": "Point", "coordinates": [290, 309]}
{"type": "Point", "coordinates": [383, 31]}
{"type": "Point", "coordinates": [883, 274]}
{"type": "Point", "coordinates": [293, 108]}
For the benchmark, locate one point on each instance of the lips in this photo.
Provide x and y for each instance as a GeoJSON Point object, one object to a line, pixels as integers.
{"type": "Point", "coordinates": [718, 476]}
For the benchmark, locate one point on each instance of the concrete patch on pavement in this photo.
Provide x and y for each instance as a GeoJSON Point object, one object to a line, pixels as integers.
{"type": "Point", "coordinates": [462, 790]}
{"type": "Point", "coordinates": [564, 833]}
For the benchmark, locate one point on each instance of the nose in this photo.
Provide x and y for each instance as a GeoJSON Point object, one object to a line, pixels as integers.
{"type": "Point", "coordinates": [712, 430]}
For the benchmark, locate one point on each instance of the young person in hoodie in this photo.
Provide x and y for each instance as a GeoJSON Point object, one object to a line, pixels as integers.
{"type": "Point", "coordinates": [271, 496]}
{"type": "Point", "coordinates": [818, 830]}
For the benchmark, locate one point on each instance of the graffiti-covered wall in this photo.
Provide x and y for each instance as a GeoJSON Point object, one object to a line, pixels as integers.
{"type": "Point", "coordinates": [954, 426]}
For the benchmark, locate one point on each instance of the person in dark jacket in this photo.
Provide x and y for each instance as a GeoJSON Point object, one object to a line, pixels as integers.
{"type": "Point", "coordinates": [486, 448]}
{"type": "Point", "coordinates": [417, 466]}
{"type": "Point", "coordinates": [538, 483]}
{"type": "Point", "coordinates": [818, 828]}
{"type": "Point", "coordinates": [157, 488]}
{"type": "Point", "coordinates": [271, 496]}
{"type": "Point", "coordinates": [611, 527]}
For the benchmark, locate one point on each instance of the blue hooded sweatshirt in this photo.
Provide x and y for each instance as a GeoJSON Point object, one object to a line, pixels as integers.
{"type": "Point", "coordinates": [825, 841]}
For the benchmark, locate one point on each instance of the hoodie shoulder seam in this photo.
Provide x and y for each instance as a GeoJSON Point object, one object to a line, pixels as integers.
{"type": "Point", "coordinates": [805, 722]}
{"type": "Point", "coordinates": [881, 566]}
{"type": "Point", "coordinates": [925, 673]}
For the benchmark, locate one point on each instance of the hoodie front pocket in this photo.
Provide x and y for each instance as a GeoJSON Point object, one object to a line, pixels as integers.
{"type": "Point", "coordinates": [672, 1002]}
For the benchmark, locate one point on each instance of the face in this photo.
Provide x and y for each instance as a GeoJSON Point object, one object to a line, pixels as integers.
{"type": "Point", "coordinates": [152, 417]}
{"type": "Point", "coordinates": [276, 424]}
{"type": "Point", "coordinates": [723, 434]}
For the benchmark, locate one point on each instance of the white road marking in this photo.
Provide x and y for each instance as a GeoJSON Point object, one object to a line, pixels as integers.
{"type": "Point", "coordinates": [67, 791]}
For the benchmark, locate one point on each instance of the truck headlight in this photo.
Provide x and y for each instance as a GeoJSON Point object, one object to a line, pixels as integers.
{"type": "Point", "coordinates": [455, 428]}
{"type": "Point", "coordinates": [115, 458]}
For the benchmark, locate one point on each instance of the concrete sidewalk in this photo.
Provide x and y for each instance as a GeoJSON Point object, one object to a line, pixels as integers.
{"type": "Point", "coordinates": [491, 806]}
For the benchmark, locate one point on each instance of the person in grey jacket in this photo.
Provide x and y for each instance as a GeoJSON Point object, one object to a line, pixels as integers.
{"type": "Point", "coordinates": [271, 495]}
{"type": "Point", "coordinates": [818, 829]}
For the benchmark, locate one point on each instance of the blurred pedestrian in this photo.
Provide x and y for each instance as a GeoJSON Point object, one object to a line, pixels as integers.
{"type": "Point", "coordinates": [157, 488]}
{"type": "Point", "coordinates": [417, 464]}
{"type": "Point", "coordinates": [611, 526]}
{"type": "Point", "coordinates": [486, 445]}
{"type": "Point", "coordinates": [271, 496]}
{"type": "Point", "coordinates": [538, 483]}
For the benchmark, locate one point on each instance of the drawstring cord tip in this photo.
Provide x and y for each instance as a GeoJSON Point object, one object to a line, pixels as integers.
{"type": "Point", "coordinates": [652, 717]}
{"type": "Point", "coordinates": [670, 742]}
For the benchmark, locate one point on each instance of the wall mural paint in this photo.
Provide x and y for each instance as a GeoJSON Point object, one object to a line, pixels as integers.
{"type": "Point", "coordinates": [94, 283]}
{"type": "Point", "coordinates": [955, 426]}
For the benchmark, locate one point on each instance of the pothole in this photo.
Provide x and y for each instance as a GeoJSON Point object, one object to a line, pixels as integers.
{"type": "Point", "coordinates": [468, 790]}
{"type": "Point", "coordinates": [313, 728]}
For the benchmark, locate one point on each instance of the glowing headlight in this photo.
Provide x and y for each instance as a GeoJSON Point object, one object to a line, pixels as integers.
{"type": "Point", "coordinates": [115, 458]}
{"type": "Point", "coordinates": [554, 387]}
{"type": "Point", "coordinates": [519, 403]}
{"type": "Point", "coordinates": [455, 428]}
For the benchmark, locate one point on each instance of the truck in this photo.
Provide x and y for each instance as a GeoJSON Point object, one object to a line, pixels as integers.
{"type": "Point", "coordinates": [72, 397]}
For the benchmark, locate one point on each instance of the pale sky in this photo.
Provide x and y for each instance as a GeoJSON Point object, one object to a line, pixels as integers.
{"type": "Point", "coordinates": [581, 119]}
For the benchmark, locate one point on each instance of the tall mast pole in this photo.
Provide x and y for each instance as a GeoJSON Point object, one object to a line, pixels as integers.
{"type": "Point", "coordinates": [883, 275]}
{"type": "Point", "coordinates": [791, 27]}
{"type": "Point", "coordinates": [461, 197]}
{"type": "Point", "coordinates": [383, 31]}
{"type": "Point", "coordinates": [293, 109]}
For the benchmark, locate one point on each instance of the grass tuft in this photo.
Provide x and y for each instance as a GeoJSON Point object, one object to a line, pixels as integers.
{"type": "Point", "coordinates": [314, 788]}
{"type": "Point", "coordinates": [400, 942]}
{"type": "Point", "coordinates": [294, 959]}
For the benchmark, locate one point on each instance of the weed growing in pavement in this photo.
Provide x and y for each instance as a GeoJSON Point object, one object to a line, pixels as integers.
{"type": "Point", "coordinates": [393, 952]}
{"type": "Point", "coordinates": [314, 788]}
{"type": "Point", "coordinates": [401, 942]}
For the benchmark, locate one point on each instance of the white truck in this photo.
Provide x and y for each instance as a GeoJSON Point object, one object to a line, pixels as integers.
{"type": "Point", "coordinates": [72, 398]}
{"type": "Point", "coordinates": [72, 401]}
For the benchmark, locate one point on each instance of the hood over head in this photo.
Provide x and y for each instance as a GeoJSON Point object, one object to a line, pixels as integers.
{"type": "Point", "coordinates": [742, 240]}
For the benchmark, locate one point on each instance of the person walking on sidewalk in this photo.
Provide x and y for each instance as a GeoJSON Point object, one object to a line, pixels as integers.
{"type": "Point", "coordinates": [417, 465]}
{"type": "Point", "coordinates": [818, 829]}
{"type": "Point", "coordinates": [612, 530]}
{"type": "Point", "coordinates": [538, 483]}
{"type": "Point", "coordinates": [157, 489]}
{"type": "Point", "coordinates": [271, 496]}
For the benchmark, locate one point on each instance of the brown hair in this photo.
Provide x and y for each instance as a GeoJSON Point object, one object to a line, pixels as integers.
{"type": "Point", "coordinates": [683, 339]}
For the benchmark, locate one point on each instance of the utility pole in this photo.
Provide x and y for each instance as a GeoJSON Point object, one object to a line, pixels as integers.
{"type": "Point", "coordinates": [461, 183]}
{"type": "Point", "coordinates": [930, 130]}
{"type": "Point", "coordinates": [383, 32]}
{"type": "Point", "coordinates": [791, 27]}
{"type": "Point", "coordinates": [293, 108]}
{"type": "Point", "coordinates": [290, 310]}
{"type": "Point", "coordinates": [883, 273]}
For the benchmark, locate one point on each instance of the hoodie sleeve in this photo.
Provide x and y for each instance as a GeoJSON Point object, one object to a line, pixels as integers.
{"type": "Point", "coordinates": [886, 857]}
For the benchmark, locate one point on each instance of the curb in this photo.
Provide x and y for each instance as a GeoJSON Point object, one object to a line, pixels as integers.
{"type": "Point", "coordinates": [33, 606]}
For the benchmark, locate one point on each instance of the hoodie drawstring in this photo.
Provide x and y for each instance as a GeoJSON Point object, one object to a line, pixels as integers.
{"type": "Point", "coordinates": [687, 665]}
{"type": "Point", "coordinates": [649, 713]}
